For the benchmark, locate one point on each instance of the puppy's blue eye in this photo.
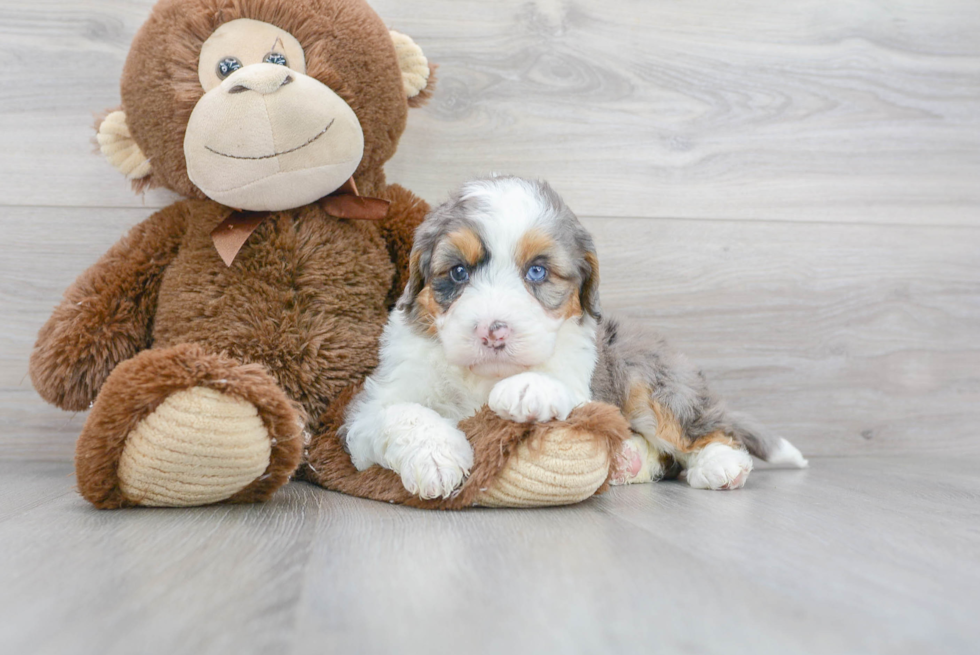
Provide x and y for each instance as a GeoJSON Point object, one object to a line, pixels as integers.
{"type": "Point", "coordinates": [459, 274]}
{"type": "Point", "coordinates": [536, 274]}
{"type": "Point", "coordinates": [227, 66]}
{"type": "Point", "coordinates": [276, 58]}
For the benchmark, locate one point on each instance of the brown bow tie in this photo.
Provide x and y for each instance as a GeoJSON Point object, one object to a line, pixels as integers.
{"type": "Point", "coordinates": [345, 202]}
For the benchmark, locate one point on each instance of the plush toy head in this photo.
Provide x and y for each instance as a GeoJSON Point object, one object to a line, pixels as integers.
{"type": "Point", "coordinates": [264, 105]}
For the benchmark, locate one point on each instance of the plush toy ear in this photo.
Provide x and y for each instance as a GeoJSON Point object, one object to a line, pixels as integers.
{"type": "Point", "coordinates": [117, 144]}
{"type": "Point", "coordinates": [418, 75]}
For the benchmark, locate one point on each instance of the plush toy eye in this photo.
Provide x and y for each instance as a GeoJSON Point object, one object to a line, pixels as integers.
{"type": "Point", "coordinates": [459, 274]}
{"type": "Point", "coordinates": [227, 66]}
{"type": "Point", "coordinates": [276, 58]}
{"type": "Point", "coordinates": [536, 274]}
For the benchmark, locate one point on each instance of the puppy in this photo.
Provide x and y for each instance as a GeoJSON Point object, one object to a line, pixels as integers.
{"type": "Point", "coordinates": [502, 308]}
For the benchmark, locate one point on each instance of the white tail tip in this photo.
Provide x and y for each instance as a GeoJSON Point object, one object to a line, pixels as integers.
{"type": "Point", "coordinates": [786, 454]}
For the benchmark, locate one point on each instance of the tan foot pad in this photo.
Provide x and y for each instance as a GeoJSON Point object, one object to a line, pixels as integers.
{"type": "Point", "coordinates": [561, 468]}
{"type": "Point", "coordinates": [199, 446]}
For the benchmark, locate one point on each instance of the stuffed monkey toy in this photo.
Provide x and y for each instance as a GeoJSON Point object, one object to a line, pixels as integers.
{"type": "Point", "coordinates": [219, 342]}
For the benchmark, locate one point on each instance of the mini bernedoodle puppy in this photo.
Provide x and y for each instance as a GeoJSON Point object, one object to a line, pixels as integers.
{"type": "Point", "coordinates": [502, 308]}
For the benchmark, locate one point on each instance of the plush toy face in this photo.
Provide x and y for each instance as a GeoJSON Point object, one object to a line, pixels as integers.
{"type": "Point", "coordinates": [265, 135]}
{"type": "Point", "coordinates": [262, 104]}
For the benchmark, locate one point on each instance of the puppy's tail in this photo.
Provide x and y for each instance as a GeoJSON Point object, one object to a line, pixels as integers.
{"type": "Point", "coordinates": [764, 444]}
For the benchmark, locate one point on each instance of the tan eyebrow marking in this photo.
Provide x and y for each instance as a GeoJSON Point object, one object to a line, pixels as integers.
{"type": "Point", "coordinates": [532, 244]}
{"type": "Point", "coordinates": [559, 296]}
{"type": "Point", "coordinates": [468, 244]}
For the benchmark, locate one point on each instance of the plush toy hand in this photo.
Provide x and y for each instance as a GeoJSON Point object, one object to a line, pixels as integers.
{"type": "Point", "coordinates": [106, 316]}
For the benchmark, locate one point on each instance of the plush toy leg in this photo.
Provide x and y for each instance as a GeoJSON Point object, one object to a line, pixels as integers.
{"type": "Point", "coordinates": [178, 427]}
{"type": "Point", "coordinates": [515, 464]}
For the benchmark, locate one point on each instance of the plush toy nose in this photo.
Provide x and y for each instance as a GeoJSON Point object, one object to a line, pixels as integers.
{"type": "Point", "coordinates": [494, 335]}
{"type": "Point", "coordinates": [261, 78]}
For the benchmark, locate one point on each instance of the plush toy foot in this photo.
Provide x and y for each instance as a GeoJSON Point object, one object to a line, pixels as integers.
{"type": "Point", "coordinates": [199, 446]}
{"type": "Point", "coordinates": [514, 464]}
{"type": "Point", "coordinates": [179, 427]}
{"type": "Point", "coordinates": [718, 466]}
{"type": "Point", "coordinates": [556, 465]}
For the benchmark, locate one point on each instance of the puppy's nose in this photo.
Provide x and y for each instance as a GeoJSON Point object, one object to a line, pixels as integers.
{"type": "Point", "coordinates": [494, 335]}
{"type": "Point", "coordinates": [261, 78]}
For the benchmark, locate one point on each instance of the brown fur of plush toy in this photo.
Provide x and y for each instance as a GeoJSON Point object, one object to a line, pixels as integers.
{"type": "Point", "coordinates": [292, 326]}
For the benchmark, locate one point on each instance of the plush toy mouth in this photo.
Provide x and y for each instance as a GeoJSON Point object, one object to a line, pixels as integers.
{"type": "Point", "coordinates": [275, 154]}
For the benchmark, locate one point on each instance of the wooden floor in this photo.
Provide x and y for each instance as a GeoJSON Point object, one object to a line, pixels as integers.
{"type": "Point", "coordinates": [859, 555]}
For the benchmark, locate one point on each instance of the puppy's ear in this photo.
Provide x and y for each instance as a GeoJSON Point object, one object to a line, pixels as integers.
{"type": "Point", "coordinates": [589, 292]}
{"type": "Point", "coordinates": [427, 236]}
{"type": "Point", "coordinates": [418, 267]}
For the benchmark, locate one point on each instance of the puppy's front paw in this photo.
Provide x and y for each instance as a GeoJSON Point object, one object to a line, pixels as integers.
{"type": "Point", "coordinates": [718, 466]}
{"type": "Point", "coordinates": [530, 397]}
{"type": "Point", "coordinates": [426, 450]}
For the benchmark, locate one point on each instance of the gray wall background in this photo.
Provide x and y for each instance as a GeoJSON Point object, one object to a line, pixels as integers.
{"type": "Point", "coordinates": [790, 191]}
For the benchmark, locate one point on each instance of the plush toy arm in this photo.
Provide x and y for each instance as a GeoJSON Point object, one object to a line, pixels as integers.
{"type": "Point", "coordinates": [106, 316]}
{"type": "Point", "coordinates": [398, 230]}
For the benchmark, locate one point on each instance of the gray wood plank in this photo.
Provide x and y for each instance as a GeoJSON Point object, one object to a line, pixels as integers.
{"type": "Point", "coordinates": [844, 338]}
{"type": "Point", "coordinates": [74, 52]}
{"type": "Point", "coordinates": [227, 577]}
{"type": "Point", "coordinates": [37, 484]}
{"type": "Point", "coordinates": [857, 555]}
{"type": "Point", "coordinates": [850, 111]}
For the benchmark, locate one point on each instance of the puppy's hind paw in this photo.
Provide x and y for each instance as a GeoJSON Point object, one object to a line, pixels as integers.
{"type": "Point", "coordinates": [718, 466]}
{"type": "Point", "coordinates": [636, 463]}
